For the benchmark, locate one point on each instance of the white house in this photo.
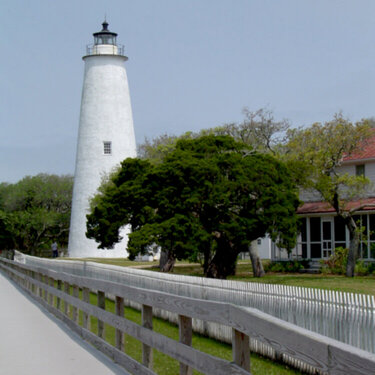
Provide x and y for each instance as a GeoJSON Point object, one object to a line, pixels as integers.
{"type": "Point", "coordinates": [322, 231]}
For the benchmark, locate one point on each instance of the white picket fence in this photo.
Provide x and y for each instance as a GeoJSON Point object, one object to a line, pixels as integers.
{"type": "Point", "coordinates": [59, 293]}
{"type": "Point", "coordinates": [347, 317]}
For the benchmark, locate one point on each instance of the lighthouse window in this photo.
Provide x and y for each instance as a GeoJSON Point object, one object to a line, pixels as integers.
{"type": "Point", "coordinates": [107, 148]}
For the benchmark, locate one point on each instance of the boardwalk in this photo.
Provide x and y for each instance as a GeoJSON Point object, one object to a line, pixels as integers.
{"type": "Point", "coordinates": [34, 342]}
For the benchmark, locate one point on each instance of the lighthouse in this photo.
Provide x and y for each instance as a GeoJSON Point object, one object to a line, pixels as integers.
{"type": "Point", "coordinates": [105, 136]}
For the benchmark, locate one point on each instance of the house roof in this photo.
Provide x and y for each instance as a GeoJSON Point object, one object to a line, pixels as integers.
{"type": "Point", "coordinates": [325, 207]}
{"type": "Point", "coordinates": [365, 152]}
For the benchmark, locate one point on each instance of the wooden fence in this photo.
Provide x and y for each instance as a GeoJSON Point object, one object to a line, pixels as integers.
{"type": "Point", "coordinates": [346, 317]}
{"type": "Point", "coordinates": [50, 288]}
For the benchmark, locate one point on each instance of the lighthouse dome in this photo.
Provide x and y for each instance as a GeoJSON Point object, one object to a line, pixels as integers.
{"type": "Point", "coordinates": [105, 36]}
{"type": "Point", "coordinates": [105, 43]}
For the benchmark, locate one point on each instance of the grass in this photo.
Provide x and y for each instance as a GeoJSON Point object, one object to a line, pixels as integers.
{"type": "Point", "coordinates": [259, 365]}
{"type": "Point", "coordinates": [163, 364]}
{"type": "Point", "coordinates": [115, 261]}
{"type": "Point", "coordinates": [357, 284]}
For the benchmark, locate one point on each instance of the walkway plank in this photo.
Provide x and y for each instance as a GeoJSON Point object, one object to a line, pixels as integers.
{"type": "Point", "coordinates": [32, 341]}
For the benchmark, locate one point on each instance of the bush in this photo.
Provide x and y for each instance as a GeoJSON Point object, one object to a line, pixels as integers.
{"type": "Point", "coordinates": [361, 269]}
{"type": "Point", "coordinates": [364, 269]}
{"type": "Point", "coordinates": [336, 263]}
{"type": "Point", "coordinates": [286, 266]}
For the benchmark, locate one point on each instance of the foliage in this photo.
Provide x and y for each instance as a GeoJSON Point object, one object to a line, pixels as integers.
{"type": "Point", "coordinates": [288, 266]}
{"type": "Point", "coordinates": [36, 210]}
{"type": "Point", "coordinates": [259, 129]}
{"type": "Point", "coordinates": [336, 263]}
{"type": "Point", "coordinates": [364, 269]}
{"type": "Point", "coordinates": [209, 198]}
{"type": "Point", "coordinates": [163, 364]}
{"type": "Point", "coordinates": [156, 149]}
{"type": "Point", "coordinates": [6, 241]}
{"type": "Point", "coordinates": [315, 155]}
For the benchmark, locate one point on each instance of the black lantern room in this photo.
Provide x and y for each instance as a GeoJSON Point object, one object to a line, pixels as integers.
{"type": "Point", "coordinates": [105, 36]}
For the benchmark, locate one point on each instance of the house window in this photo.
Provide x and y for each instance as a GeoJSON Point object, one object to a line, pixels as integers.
{"type": "Point", "coordinates": [340, 232]}
{"type": "Point", "coordinates": [360, 170]}
{"type": "Point", "coordinates": [259, 241]}
{"type": "Point", "coordinates": [301, 250]}
{"type": "Point", "coordinates": [107, 148]}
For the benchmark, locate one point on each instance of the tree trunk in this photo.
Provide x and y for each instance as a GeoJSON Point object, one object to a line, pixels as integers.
{"type": "Point", "coordinates": [256, 262]}
{"type": "Point", "coordinates": [223, 263]}
{"type": "Point", "coordinates": [167, 261]}
{"type": "Point", "coordinates": [352, 254]}
{"type": "Point", "coordinates": [353, 247]}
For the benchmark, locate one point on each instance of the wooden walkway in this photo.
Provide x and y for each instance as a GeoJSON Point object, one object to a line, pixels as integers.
{"type": "Point", "coordinates": [59, 293]}
{"type": "Point", "coordinates": [34, 342]}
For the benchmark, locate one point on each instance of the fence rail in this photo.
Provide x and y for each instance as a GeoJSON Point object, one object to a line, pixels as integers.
{"type": "Point", "coordinates": [144, 278]}
{"type": "Point", "coordinates": [346, 317]}
{"type": "Point", "coordinates": [50, 288]}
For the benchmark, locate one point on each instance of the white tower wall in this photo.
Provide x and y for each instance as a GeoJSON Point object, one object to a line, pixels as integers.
{"type": "Point", "coordinates": [106, 116]}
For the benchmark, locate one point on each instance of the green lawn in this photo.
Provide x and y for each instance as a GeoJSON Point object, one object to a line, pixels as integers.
{"type": "Point", "coordinates": [115, 261]}
{"type": "Point", "coordinates": [357, 284]}
{"type": "Point", "coordinates": [163, 364]}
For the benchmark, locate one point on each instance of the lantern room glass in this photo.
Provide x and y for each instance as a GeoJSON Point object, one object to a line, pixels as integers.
{"type": "Point", "coordinates": [105, 39]}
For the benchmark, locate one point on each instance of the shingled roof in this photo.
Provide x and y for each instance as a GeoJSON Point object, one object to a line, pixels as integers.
{"type": "Point", "coordinates": [325, 207]}
{"type": "Point", "coordinates": [365, 152]}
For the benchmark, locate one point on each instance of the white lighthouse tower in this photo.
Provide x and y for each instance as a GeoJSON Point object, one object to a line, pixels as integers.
{"type": "Point", "coordinates": [105, 138]}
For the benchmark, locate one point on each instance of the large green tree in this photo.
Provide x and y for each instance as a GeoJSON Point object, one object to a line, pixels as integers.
{"type": "Point", "coordinates": [259, 129]}
{"type": "Point", "coordinates": [35, 211]}
{"type": "Point", "coordinates": [316, 154]}
{"type": "Point", "coordinates": [208, 199]}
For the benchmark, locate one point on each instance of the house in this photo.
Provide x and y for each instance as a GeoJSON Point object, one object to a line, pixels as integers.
{"type": "Point", "coordinates": [322, 230]}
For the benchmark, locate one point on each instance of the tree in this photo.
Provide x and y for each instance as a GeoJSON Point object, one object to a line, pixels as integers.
{"type": "Point", "coordinates": [316, 153]}
{"type": "Point", "coordinates": [208, 199]}
{"type": "Point", "coordinates": [36, 210]}
{"type": "Point", "coordinates": [156, 149]}
{"type": "Point", "coordinates": [259, 130]}
{"type": "Point", "coordinates": [6, 241]}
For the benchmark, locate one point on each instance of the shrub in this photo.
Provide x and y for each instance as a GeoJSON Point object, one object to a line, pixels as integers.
{"type": "Point", "coordinates": [336, 263]}
{"type": "Point", "coordinates": [361, 268]}
{"type": "Point", "coordinates": [286, 266]}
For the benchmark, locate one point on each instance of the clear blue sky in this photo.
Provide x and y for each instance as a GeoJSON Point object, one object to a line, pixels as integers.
{"type": "Point", "coordinates": [193, 64]}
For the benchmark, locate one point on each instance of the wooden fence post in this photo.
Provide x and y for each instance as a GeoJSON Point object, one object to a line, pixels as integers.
{"type": "Point", "coordinates": [29, 283]}
{"type": "Point", "coordinates": [33, 289]}
{"type": "Point", "coordinates": [241, 349]}
{"type": "Point", "coordinates": [101, 304]}
{"type": "Point", "coordinates": [45, 294]}
{"type": "Point", "coordinates": [40, 289]}
{"type": "Point", "coordinates": [58, 300]}
{"type": "Point", "coordinates": [67, 291]}
{"type": "Point", "coordinates": [50, 295]}
{"type": "Point", "coordinates": [147, 358]}
{"type": "Point", "coordinates": [119, 333]}
{"type": "Point", "coordinates": [74, 308]}
{"type": "Point", "coordinates": [86, 321]}
{"type": "Point", "coordinates": [185, 333]}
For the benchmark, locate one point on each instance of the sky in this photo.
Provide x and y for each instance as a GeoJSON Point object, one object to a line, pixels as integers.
{"type": "Point", "coordinates": [193, 64]}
